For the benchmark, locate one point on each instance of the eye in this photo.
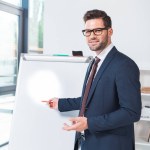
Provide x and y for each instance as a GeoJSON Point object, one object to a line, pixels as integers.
{"type": "Point", "coordinates": [87, 31]}
{"type": "Point", "coordinates": [97, 30]}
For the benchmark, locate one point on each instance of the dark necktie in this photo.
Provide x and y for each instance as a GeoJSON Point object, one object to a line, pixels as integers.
{"type": "Point", "coordinates": [88, 85]}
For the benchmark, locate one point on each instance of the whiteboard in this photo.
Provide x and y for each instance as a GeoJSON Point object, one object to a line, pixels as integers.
{"type": "Point", "coordinates": [35, 126]}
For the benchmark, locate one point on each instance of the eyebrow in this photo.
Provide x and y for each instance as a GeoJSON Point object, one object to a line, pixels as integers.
{"type": "Point", "coordinates": [95, 28]}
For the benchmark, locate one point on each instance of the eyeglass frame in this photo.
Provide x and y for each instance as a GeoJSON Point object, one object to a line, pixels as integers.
{"type": "Point", "coordinates": [94, 30]}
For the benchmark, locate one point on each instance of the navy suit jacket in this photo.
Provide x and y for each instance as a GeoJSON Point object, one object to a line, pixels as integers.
{"type": "Point", "coordinates": [113, 105]}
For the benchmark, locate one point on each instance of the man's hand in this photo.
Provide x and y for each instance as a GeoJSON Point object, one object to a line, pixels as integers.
{"type": "Point", "coordinates": [52, 103]}
{"type": "Point", "coordinates": [78, 124]}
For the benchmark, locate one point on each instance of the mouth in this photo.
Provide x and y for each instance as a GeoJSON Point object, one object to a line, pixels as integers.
{"type": "Point", "coordinates": [93, 42]}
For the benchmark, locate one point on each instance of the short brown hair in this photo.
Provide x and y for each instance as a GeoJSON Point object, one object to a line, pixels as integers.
{"type": "Point", "coordinates": [94, 14]}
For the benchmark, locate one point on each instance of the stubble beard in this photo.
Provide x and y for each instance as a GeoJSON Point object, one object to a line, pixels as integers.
{"type": "Point", "coordinates": [101, 46]}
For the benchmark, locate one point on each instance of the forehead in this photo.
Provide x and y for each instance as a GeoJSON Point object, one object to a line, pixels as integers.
{"type": "Point", "coordinates": [94, 23]}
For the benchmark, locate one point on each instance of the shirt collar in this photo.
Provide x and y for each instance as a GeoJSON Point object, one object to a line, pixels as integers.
{"type": "Point", "coordinates": [104, 53]}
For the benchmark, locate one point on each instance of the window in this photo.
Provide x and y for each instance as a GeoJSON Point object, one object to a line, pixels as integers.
{"type": "Point", "coordinates": [8, 48]}
{"type": "Point", "coordinates": [10, 45]}
{"type": "Point", "coordinates": [14, 2]}
{"type": "Point", "coordinates": [35, 34]}
{"type": "Point", "coordinates": [11, 31]}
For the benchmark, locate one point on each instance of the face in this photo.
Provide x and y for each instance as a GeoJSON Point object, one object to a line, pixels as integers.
{"type": "Point", "coordinates": [97, 43]}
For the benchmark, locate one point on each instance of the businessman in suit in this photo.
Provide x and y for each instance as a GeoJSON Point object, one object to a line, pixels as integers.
{"type": "Point", "coordinates": [114, 101]}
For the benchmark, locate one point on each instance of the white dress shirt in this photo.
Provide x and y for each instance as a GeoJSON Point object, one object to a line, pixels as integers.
{"type": "Point", "coordinates": [103, 55]}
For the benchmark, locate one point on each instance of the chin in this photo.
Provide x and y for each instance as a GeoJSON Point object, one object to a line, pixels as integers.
{"type": "Point", "coordinates": [94, 49]}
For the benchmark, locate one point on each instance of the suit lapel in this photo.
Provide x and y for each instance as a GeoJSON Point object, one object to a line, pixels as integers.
{"type": "Point", "coordinates": [104, 65]}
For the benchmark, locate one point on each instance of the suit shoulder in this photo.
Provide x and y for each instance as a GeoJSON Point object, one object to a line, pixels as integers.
{"type": "Point", "coordinates": [122, 58]}
{"type": "Point", "coordinates": [123, 61]}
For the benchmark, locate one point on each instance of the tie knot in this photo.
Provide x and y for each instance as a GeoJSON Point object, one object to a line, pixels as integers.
{"type": "Point", "coordinates": [97, 60]}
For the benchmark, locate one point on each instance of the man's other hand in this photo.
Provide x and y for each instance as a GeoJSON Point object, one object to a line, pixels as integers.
{"type": "Point", "coordinates": [78, 124]}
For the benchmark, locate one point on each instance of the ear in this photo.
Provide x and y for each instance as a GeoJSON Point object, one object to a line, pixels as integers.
{"type": "Point", "coordinates": [110, 31]}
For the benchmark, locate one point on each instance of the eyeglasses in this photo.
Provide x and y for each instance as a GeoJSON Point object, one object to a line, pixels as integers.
{"type": "Point", "coordinates": [96, 31]}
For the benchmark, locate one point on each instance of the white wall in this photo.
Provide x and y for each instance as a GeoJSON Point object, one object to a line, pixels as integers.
{"type": "Point", "coordinates": [130, 18]}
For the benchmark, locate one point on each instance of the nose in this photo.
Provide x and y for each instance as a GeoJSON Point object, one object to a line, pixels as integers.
{"type": "Point", "coordinates": [92, 35]}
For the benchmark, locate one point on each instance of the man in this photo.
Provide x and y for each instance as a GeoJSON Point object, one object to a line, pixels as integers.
{"type": "Point", "coordinates": [113, 103]}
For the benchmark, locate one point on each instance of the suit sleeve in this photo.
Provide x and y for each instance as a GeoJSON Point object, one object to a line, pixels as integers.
{"type": "Point", "coordinates": [68, 104]}
{"type": "Point", "coordinates": [128, 89]}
